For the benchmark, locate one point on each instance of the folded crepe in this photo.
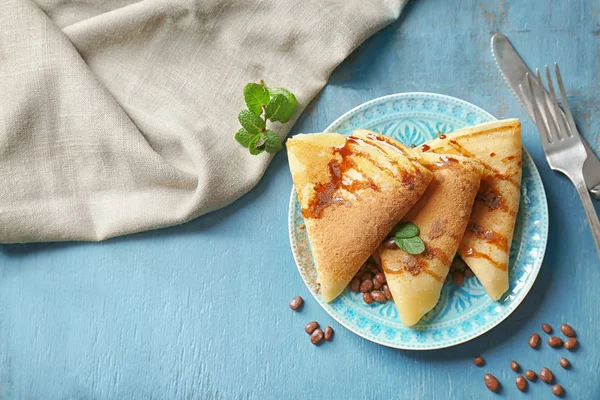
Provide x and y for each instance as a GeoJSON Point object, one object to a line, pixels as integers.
{"type": "Point", "coordinates": [353, 190]}
{"type": "Point", "coordinates": [441, 214]}
{"type": "Point", "coordinates": [486, 244]}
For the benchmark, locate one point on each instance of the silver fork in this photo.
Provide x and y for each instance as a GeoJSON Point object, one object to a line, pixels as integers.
{"type": "Point", "coordinates": [560, 139]}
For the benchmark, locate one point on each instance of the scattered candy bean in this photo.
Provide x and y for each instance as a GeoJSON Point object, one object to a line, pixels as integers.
{"type": "Point", "coordinates": [374, 268]}
{"type": "Point", "coordinates": [546, 375]}
{"type": "Point", "coordinates": [376, 284]}
{"type": "Point", "coordinates": [311, 326]}
{"type": "Point", "coordinates": [458, 278]}
{"type": "Point", "coordinates": [558, 390]}
{"type": "Point", "coordinates": [534, 340]}
{"type": "Point", "coordinates": [567, 330]}
{"type": "Point", "coordinates": [378, 296]}
{"type": "Point", "coordinates": [514, 365]}
{"type": "Point", "coordinates": [316, 336]}
{"type": "Point", "coordinates": [531, 375]}
{"type": "Point", "coordinates": [328, 333]}
{"type": "Point", "coordinates": [386, 291]}
{"type": "Point", "coordinates": [296, 303]}
{"type": "Point", "coordinates": [390, 243]}
{"type": "Point", "coordinates": [366, 286]}
{"type": "Point", "coordinates": [554, 341]}
{"type": "Point", "coordinates": [355, 284]}
{"type": "Point", "coordinates": [570, 343]}
{"type": "Point", "coordinates": [491, 382]}
{"type": "Point", "coordinates": [380, 277]}
{"type": "Point", "coordinates": [521, 383]}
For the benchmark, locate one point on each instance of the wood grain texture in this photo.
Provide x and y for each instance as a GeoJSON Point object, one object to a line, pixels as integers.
{"type": "Point", "coordinates": [201, 311]}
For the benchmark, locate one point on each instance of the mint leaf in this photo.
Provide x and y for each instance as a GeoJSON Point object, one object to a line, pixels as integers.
{"type": "Point", "coordinates": [256, 96]}
{"type": "Point", "coordinates": [245, 138]}
{"type": "Point", "coordinates": [413, 245]}
{"type": "Point", "coordinates": [276, 107]}
{"type": "Point", "coordinates": [406, 230]}
{"type": "Point", "coordinates": [289, 109]}
{"type": "Point", "coordinates": [257, 145]}
{"type": "Point", "coordinates": [251, 122]}
{"type": "Point", "coordinates": [272, 142]}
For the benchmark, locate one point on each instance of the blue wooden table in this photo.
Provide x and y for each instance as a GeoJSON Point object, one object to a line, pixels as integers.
{"type": "Point", "coordinates": [200, 311]}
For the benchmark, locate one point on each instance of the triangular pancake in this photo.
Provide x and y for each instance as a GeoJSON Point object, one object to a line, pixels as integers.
{"type": "Point", "coordinates": [486, 244]}
{"type": "Point", "coordinates": [352, 190]}
{"type": "Point", "coordinates": [441, 214]}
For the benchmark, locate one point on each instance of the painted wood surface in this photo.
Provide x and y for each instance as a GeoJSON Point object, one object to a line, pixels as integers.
{"type": "Point", "coordinates": [201, 311]}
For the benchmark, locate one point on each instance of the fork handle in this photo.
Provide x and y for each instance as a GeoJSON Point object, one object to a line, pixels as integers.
{"type": "Point", "coordinates": [589, 211]}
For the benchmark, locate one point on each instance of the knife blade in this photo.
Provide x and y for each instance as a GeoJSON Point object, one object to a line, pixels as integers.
{"type": "Point", "coordinates": [514, 70]}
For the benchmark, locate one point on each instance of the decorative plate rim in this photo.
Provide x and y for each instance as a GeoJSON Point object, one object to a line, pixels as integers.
{"type": "Point", "coordinates": [538, 259]}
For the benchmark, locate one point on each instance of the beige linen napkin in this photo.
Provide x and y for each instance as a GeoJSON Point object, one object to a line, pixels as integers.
{"type": "Point", "coordinates": [118, 116]}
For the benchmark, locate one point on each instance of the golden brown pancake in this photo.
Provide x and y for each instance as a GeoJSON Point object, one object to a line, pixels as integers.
{"type": "Point", "coordinates": [486, 244]}
{"type": "Point", "coordinates": [352, 190]}
{"type": "Point", "coordinates": [441, 214]}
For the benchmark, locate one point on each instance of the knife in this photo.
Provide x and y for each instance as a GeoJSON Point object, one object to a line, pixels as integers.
{"type": "Point", "coordinates": [514, 71]}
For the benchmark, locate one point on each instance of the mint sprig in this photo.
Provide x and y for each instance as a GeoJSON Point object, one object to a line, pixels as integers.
{"type": "Point", "coordinates": [264, 104]}
{"type": "Point", "coordinates": [406, 238]}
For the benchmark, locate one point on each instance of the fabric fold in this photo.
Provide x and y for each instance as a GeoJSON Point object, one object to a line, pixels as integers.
{"type": "Point", "coordinates": [118, 116]}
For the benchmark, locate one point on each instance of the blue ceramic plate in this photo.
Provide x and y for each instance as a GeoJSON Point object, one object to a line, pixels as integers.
{"type": "Point", "coordinates": [463, 312]}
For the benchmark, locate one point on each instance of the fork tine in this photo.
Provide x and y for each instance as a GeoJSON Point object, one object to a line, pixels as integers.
{"type": "Point", "coordinates": [546, 109]}
{"type": "Point", "coordinates": [548, 102]}
{"type": "Point", "coordinates": [558, 114]}
{"type": "Point", "coordinates": [565, 103]}
{"type": "Point", "coordinates": [552, 105]}
{"type": "Point", "coordinates": [550, 85]}
{"type": "Point", "coordinates": [562, 122]}
{"type": "Point", "coordinates": [542, 129]}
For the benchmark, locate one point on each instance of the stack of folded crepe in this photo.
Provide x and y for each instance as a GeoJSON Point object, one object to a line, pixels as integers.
{"type": "Point", "coordinates": [461, 189]}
